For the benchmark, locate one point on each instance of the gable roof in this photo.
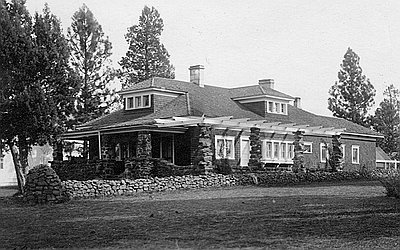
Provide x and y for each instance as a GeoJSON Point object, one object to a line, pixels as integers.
{"type": "Point", "coordinates": [213, 101]}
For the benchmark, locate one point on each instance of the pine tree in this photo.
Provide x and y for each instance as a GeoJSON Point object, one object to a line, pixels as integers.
{"type": "Point", "coordinates": [30, 71]}
{"type": "Point", "coordinates": [387, 121]}
{"type": "Point", "coordinates": [353, 95]}
{"type": "Point", "coordinates": [91, 52]}
{"type": "Point", "coordinates": [146, 56]}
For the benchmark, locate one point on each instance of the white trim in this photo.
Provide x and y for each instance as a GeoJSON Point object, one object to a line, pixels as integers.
{"type": "Point", "coordinates": [343, 147]}
{"type": "Point", "coordinates": [362, 135]}
{"type": "Point", "coordinates": [134, 106]}
{"type": "Point", "coordinates": [311, 147]}
{"type": "Point", "coordinates": [272, 158]}
{"type": "Point", "coordinates": [225, 138]}
{"type": "Point", "coordinates": [152, 90]}
{"type": "Point", "coordinates": [321, 147]}
{"type": "Point", "coordinates": [352, 154]}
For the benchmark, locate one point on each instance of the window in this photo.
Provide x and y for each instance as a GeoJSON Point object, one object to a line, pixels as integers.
{"type": "Point", "coordinates": [355, 154]}
{"type": "Point", "coordinates": [276, 150]}
{"type": "Point", "coordinates": [225, 148]}
{"type": "Point", "coordinates": [130, 103]}
{"type": "Point", "coordinates": [268, 150]}
{"type": "Point", "coordinates": [146, 101]}
{"type": "Point", "coordinates": [283, 108]}
{"type": "Point", "coordinates": [277, 107]}
{"type": "Point", "coordinates": [271, 107]}
{"type": "Point", "coordinates": [283, 150]}
{"type": "Point", "coordinates": [307, 147]}
{"type": "Point", "coordinates": [291, 151]}
{"type": "Point", "coordinates": [324, 154]}
{"type": "Point", "coordinates": [136, 102]}
{"type": "Point", "coordinates": [1, 161]}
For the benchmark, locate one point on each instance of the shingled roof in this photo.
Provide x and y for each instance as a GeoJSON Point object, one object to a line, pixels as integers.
{"type": "Point", "coordinates": [213, 101]}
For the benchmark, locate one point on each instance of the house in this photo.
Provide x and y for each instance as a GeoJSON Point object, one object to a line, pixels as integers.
{"type": "Point", "coordinates": [191, 123]}
{"type": "Point", "coordinates": [37, 155]}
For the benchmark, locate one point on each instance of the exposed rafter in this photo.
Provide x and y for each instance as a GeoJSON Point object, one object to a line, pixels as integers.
{"type": "Point", "coordinates": [229, 122]}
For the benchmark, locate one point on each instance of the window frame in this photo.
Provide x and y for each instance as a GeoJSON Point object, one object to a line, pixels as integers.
{"type": "Point", "coordinates": [358, 154]}
{"type": "Point", "coordinates": [1, 161]}
{"type": "Point", "coordinates": [311, 147]}
{"type": "Point", "coordinates": [224, 138]}
{"type": "Point", "coordinates": [276, 107]}
{"type": "Point", "coordinates": [269, 154]}
{"type": "Point", "coordinates": [321, 147]}
{"type": "Point", "coordinates": [131, 102]}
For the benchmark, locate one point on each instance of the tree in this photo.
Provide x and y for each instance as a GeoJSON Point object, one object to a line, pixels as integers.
{"type": "Point", "coordinates": [29, 73]}
{"type": "Point", "coordinates": [91, 52]}
{"type": "Point", "coordinates": [353, 95]}
{"type": "Point", "coordinates": [146, 56]}
{"type": "Point", "coordinates": [387, 120]}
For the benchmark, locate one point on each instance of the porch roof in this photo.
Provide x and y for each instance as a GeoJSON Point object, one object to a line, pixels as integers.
{"type": "Point", "coordinates": [244, 123]}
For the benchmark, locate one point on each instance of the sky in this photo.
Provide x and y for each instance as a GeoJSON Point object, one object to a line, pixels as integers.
{"type": "Point", "coordinates": [300, 44]}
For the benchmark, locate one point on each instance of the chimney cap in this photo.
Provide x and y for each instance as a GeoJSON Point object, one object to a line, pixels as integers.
{"type": "Point", "coordinates": [199, 66]}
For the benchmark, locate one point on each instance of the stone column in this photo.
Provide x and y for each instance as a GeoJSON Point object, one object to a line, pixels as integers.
{"type": "Point", "coordinates": [58, 151]}
{"type": "Point", "coordinates": [143, 149]}
{"type": "Point", "coordinates": [298, 160]}
{"type": "Point", "coordinates": [255, 148]}
{"type": "Point", "coordinates": [106, 148]}
{"type": "Point", "coordinates": [204, 153]}
{"type": "Point", "coordinates": [337, 154]}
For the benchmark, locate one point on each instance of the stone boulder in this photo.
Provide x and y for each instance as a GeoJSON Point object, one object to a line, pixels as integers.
{"type": "Point", "coordinates": [43, 186]}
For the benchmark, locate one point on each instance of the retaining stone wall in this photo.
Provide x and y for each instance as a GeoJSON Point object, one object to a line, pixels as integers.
{"type": "Point", "coordinates": [101, 188]}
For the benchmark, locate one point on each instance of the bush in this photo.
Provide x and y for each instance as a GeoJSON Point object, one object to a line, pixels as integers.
{"type": "Point", "coordinates": [290, 178]}
{"type": "Point", "coordinates": [390, 180]}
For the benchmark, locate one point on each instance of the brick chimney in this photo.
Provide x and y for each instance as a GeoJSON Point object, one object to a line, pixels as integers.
{"type": "Point", "coordinates": [197, 74]}
{"type": "Point", "coordinates": [297, 102]}
{"type": "Point", "coordinates": [267, 83]}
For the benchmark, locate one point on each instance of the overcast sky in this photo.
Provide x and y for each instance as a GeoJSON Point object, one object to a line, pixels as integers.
{"type": "Point", "coordinates": [299, 44]}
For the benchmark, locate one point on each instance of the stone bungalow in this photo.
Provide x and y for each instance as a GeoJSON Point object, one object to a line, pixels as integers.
{"type": "Point", "coordinates": [190, 123]}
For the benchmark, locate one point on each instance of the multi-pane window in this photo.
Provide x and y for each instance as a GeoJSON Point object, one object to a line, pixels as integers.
{"type": "Point", "coordinates": [224, 147]}
{"type": "Point", "coordinates": [355, 154]}
{"type": "Point", "coordinates": [277, 150]}
{"type": "Point", "coordinates": [277, 107]}
{"type": "Point", "coordinates": [136, 102]}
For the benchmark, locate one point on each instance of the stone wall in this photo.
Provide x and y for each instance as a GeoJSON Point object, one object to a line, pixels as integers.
{"type": "Point", "coordinates": [102, 188]}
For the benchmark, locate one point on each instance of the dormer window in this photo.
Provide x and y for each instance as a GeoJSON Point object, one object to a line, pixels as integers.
{"type": "Point", "coordinates": [138, 102]}
{"type": "Point", "coordinates": [277, 107]}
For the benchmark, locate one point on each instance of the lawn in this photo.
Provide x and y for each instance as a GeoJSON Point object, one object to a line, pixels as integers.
{"type": "Point", "coordinates": [331, 216]}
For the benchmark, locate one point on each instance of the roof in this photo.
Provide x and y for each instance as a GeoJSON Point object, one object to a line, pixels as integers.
{"type": "Point", "coordinates": [381, 155]}
{"type": "Point", "coordinates": [213, 101]}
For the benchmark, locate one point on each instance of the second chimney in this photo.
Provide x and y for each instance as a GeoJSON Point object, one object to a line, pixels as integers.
{"type": "Point", "coordinates": [267, 83]}
{"type": "Point", "coordinates": [297, 102]}
{"type": "Point", "coordinates": [197, 74]}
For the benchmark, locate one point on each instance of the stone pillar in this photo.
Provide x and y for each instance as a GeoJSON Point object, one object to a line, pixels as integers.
{"type": "Point", "coordinates": [337, 154]}
{"type": "Point", "coordinates": [204, 153]}
{"type": "Point", "coordinates": [298, 160]}
{"type": "Point", "coordinates": [143, 149]}
{"type": "Point", "coordinates": [255, 148]}
{"type": "Point", "coordinates": [58, 151]}
{"type": "Point", "coordinates": [106, 148]}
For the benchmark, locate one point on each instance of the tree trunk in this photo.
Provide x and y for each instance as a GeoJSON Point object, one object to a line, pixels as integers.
{"type": "Point", "coordinates": [18, 167]}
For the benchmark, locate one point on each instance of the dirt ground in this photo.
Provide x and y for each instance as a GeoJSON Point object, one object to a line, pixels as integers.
{"type": "Point", "coordinates": [345, 215]}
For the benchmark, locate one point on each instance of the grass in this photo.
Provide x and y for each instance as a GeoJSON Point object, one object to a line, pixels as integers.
{"type": "Point", "coordinates": [331, 216]}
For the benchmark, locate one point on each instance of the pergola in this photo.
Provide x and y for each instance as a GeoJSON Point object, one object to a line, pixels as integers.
{"type": "Point", "coordinates": [245, 123]}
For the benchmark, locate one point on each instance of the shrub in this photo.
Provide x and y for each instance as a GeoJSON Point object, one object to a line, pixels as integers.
{"type": "Point", "coordinates": [390, 180]}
